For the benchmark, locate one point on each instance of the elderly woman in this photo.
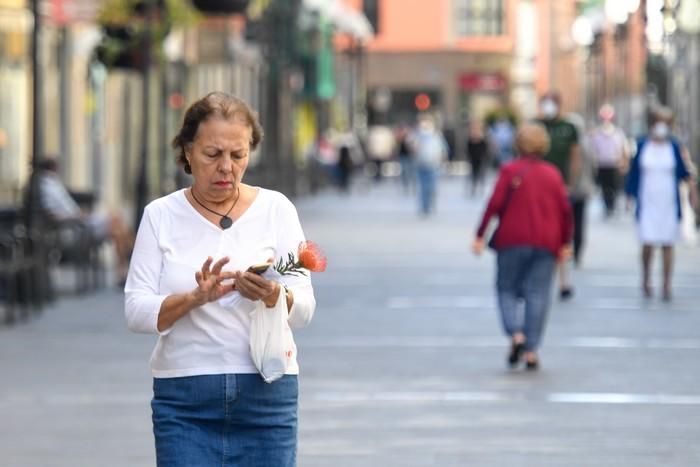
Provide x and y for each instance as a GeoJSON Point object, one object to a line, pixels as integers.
{"type": "Point", "coordinates": [189, 283]}
{"type": "Point", "coordinates": [535, 227]}
{"type": "Point", "coordinates": [656, 172]}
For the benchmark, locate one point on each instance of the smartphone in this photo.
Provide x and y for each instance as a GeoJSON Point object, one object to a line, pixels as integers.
{"type": "Point", "coordinates": [259, 268]}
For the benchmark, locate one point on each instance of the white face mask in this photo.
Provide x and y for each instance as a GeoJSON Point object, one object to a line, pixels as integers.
{"type": "Point", "coordinates": [426, 125]}
{"type": "Point", "coordinates": [549, 108]}
{"type": "Point", "coordinates": [660, 130]}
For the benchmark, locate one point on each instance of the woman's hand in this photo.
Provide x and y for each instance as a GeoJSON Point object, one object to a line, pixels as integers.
{"type": "Point", "coordinates": [565, 252]}
{"type": "Point", "coordinates": [210, 279]}
{"type": "Point", "coordinates": [255, 287]}
{"type": "Point", "coordinates": [209, 288]}
{"type": "Point", "coordinates": [478, 246]}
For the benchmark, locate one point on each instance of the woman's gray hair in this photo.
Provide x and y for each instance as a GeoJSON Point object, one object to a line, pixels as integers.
{"type": "Point", "coordinates": [218, 104]}
{"type": "Point", "coordinates": [532, 139]}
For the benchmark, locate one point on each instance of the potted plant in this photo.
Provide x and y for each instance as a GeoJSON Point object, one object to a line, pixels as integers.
{"type": "Point", "coordinates": [124, 24]}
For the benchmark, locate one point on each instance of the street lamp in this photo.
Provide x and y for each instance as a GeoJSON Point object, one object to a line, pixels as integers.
{"type": "Point", "coordinates": [632, 5]}
{"type": "Point", "coordinates": [582, 31]}
{"type": "Point", "coordinates": [689, 16]}
{"type": "Point", "coordinates": [32, 206]}
{"type": "Point", "coordinates": [617, 11]}
{"type": "Point", "coordinates": [142, 188]}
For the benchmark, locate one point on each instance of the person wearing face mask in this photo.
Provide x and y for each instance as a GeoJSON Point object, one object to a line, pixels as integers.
{"type": "Point", "coordinates": [657, 170]}
{"type": "Point", "coordinates": [564, 154]}
{"type": "Point", "coordinates": [430, 151]}
{"type": "Point", "coordinates": [608, 145]}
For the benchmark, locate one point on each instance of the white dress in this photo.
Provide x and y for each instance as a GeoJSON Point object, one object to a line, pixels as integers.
{"type": "Point", "coordinates": [658, 215]}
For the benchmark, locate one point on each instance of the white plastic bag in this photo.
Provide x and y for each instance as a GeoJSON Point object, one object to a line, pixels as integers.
{"type": "Point", "coordinates": [689, 233]}
{"type": "Point", "coordinates": [270, 345]}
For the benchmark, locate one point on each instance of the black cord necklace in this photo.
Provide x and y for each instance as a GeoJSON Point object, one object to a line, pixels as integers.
{"type": "Point", "coordinates": [225, 221]}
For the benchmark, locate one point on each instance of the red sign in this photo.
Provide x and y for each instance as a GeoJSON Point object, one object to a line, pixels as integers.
{"type": "Point", "coordinates": [482, 82]}
{"type": "Point", "coordinates": [62, 12]}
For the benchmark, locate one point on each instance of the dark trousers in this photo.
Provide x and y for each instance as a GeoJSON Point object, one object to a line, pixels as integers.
{"type": "Point", "coordinates": [578, 206]}
{"type": "Point", "coordinates": [609, 180]}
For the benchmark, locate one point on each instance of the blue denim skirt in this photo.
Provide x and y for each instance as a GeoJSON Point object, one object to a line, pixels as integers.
{"type": "Point", "coordinates": [225, 420]}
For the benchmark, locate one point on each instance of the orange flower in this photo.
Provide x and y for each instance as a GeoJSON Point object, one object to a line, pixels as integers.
{"type": "Point", "coordinates": [311, 257]}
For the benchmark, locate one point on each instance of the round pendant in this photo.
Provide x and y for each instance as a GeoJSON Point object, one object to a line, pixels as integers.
{"type": "Point", "coordinates": [225, 222]}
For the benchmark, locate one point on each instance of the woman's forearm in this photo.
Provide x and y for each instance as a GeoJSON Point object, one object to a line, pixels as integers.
{"type": "Point", "coordinates": [175, 307]}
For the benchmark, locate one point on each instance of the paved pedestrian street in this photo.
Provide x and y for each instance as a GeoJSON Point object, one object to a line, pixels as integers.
{"type": "Point", "coordinates": [404, 362]}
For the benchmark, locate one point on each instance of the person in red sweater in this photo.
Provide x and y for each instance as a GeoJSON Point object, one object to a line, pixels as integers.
{"type": "Point", "coordinates": [535, 228]}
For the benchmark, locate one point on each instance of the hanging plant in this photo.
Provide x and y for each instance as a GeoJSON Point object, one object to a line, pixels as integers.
{"type": "Point", "coordinates": [221, 7]}
{"type": "Point", "coordinates": [124, 25]}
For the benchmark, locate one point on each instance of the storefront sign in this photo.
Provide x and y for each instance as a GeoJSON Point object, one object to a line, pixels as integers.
{"type": "Point", "coordinates": [482, 82]}
{"type": "Point", "coordinates": [64, 12]}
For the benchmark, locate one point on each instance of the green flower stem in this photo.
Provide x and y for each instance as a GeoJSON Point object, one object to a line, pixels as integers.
{"type": "Point", "coordinates": [291, 267]}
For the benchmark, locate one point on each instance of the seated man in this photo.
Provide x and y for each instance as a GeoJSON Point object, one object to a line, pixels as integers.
{"type": "Point", "coordinates": [56, 201]}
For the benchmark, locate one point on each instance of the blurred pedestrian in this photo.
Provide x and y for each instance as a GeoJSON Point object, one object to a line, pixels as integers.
{"type": "Point", "coordinates": [430, 153]}
{"type": "Point", "coordinates": [608, 144]}
{"type": "Point", "coordinates": [380, 147]}
{"type": "Point", "coordinates": [656, 172]}
{"type": "Point", "coordinates": [210, 405]}
{"type": "Point", "coordinates": [350, 157]}
{"type": "Point", "coordinates": [564, 154]}
{"type": "Point", "coordinates": [57, 202]}
{"type": "Point", "coordinates": [450, 135]}
{"type": "Point", "coordinates": [406, 159]}
{"type": "Point", "coordinates": [582, 188]}
{"type": "Point", "coordinates": [534, 230]}
{"type": "Point", "coordinates": [502, 136]}
{"type": "Point", "coordinates": [345, 167]}
{"type": "Point", "coordinates": [477, 155]}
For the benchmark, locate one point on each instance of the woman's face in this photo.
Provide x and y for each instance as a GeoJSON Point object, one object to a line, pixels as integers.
{"type": "Point", "coordinates": [219, 156]}
{"type": "Point", "coordinates": [476, 130]}
{"type": "Point", "coordinates": [660, 129]}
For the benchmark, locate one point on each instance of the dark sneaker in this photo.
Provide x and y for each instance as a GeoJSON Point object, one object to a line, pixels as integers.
{"type": "Point", "coordinates": [566, 293]}
{"type": "Point", "coordinates": [516, 350]}
{"type": "Point", "coordinates": [532, 364]}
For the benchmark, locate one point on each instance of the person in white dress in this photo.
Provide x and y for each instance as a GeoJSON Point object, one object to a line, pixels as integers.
{"type": "Point", "coordinates": [655, 175]}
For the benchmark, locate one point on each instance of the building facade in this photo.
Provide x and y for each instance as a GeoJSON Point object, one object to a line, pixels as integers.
{"type": "Point", "coordinates": [615, 66]}
{"type": "Point", "coordinates": [470, 57]}
{"type": "Point", "coordinates": [15, 32]}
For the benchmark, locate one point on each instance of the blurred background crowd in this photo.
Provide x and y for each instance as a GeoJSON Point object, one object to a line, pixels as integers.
{"type": "Point", "coordinates": [100, 86]}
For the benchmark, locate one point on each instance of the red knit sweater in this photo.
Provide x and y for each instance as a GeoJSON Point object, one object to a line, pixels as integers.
{"type": "Point", "coordinates": [535, 213]}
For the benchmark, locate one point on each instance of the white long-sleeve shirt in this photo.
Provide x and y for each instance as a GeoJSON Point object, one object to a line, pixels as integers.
{"type": "Point", "coordinates": [172, 243]}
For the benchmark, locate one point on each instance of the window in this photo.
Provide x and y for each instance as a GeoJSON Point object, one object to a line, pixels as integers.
{"type": "Point", "coordinates": [371, 10]}
{"type": "Point", "coordinates": [479, 17]}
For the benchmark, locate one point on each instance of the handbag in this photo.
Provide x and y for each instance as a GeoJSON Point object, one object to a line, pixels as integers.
{"type": "Point", "coordinates": [271, 343]}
